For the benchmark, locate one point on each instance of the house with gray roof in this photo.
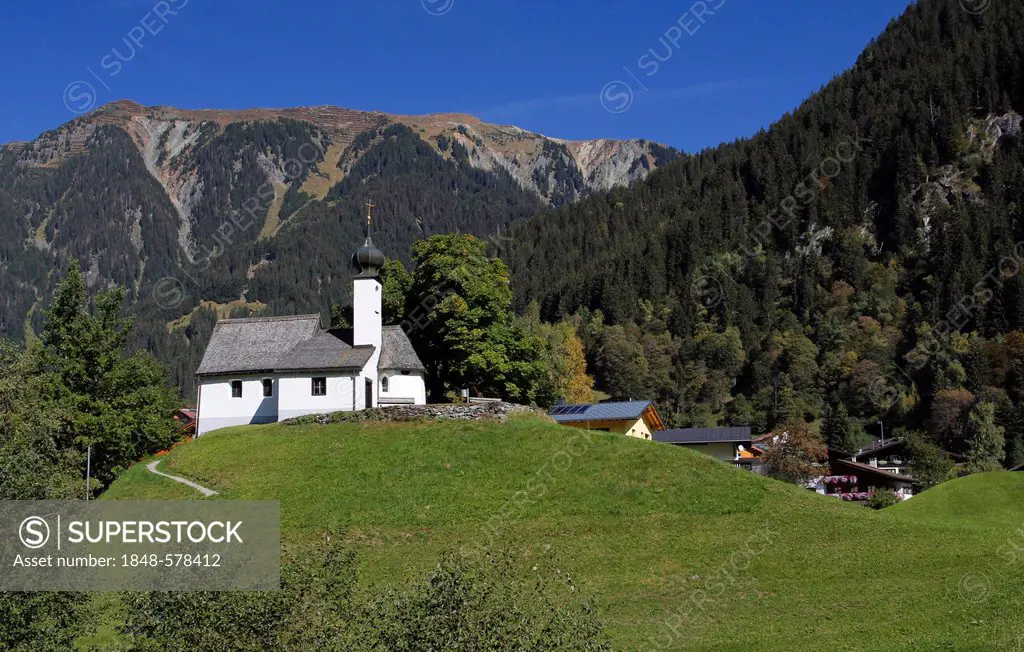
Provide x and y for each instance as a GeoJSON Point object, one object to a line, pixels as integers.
{"type": "Point", "coordinates": [266, 369]}
{"type": "Point", "coordinates": [634, 418]}
{"type": "Point", "coordinates": [726, 444]}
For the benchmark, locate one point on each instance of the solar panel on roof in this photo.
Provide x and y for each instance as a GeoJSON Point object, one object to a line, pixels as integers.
{"type": "Point", "coordinates": [566, 410]}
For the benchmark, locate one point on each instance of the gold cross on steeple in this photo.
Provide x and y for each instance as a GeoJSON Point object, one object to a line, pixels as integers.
{"type": "Point", "coordinates": [369, 211]}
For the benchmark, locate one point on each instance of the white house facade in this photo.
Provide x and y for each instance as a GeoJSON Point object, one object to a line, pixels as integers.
{"type": "Point", "coordinates": [267, 369]}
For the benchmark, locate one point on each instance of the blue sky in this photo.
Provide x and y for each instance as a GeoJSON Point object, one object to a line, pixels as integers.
{"type": "Point", "coordinates": [725, 68]}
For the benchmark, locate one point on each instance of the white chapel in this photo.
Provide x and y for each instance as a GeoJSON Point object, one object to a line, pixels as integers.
{"type": "Point", "coordinates": [266, 369]}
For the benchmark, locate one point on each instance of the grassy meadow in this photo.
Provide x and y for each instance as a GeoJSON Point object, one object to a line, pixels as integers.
{"type": "Point", "coordinates": [679, 550]}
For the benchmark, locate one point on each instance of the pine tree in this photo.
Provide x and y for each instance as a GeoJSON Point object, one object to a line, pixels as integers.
{"type": "Point", "coordinates": [119, 406]}
{"type": "Point", "coordinates": [986, 440]}
{"type": "Point", "coordinates": [32, 464]}
{"type": "Point", "coordinates": [835, 427]}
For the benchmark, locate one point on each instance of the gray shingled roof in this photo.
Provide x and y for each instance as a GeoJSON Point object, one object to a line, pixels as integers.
{"type": "Point", "coordinates": [739, 435]}
{"type": "Point", "coordinates": [326, 350]}
{"type": "Point", "coordinates": [256, 344]}
{"type": "Point", "coordinates": [599, 411]}
{"type": "Point", "coordinates": [268, 344]}
{"type": "Point", "coordinates": [397, 352]}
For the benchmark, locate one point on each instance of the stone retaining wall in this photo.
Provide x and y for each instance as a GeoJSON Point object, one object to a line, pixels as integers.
{"type": "Point", "coordinates": [454, 411]}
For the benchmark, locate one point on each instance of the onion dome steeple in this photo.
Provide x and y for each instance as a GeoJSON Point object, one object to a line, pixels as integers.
{"type": "Point", "coordinates": [368, 259]}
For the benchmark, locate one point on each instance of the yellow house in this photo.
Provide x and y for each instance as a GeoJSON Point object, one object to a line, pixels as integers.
{"type": "Point", "coordinates": [632, 418]}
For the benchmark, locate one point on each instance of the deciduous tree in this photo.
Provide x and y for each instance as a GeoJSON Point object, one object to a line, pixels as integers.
{"type": "Point", "coordinates": [794, 454]}
{"type": "Point", "coordinates": [565, 365]}
{"type": "Point", "coordinates": [930, 464]}
{"type": "Point", "coordinates": [396, 283]}
{"type": "Point", "coordinates": [949, 416]}
{"type": "Point", "coordinates": [459, 315]}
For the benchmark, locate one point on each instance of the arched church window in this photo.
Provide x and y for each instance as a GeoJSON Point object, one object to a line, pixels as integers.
{"type": "Point", "coordinates": [384, 384]}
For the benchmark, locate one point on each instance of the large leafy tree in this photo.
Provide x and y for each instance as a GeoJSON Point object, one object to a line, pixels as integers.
{"type": "Point", "coordinates": [716, 359]}
{"type": "Point", "coordinates": [459, 314]}
{"type": "Point", "coordinates": [621, 361]}
{"type": "Point", "coordinates": [568, 364]}
{"type": "Point", "coordinates": [396, 282]}
{"type": "Point", "coordinates": [34, 465]}
{"type": "Point", "coordinates": [950, 409]}
{"type": "Point", "coordinates": [118, 405]}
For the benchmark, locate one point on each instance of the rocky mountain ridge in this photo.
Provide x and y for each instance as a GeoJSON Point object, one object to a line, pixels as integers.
{"type": "Point", "coordinates": [164, 134]}
{"type": "Point", "coordinates": [195, 208]}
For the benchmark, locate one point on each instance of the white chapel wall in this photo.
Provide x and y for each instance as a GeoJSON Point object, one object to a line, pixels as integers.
{"type": "Point", "coordinates": [218, 409]}
{"type": "Point", "coordinates": [297, 395]}
{"type": "Point", "coordinates": [404, 386]}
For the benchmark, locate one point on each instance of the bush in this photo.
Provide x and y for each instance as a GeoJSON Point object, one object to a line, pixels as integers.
{"type": "Point", "coordinates": [471, 603]}
{"type": "Point", "coordinates": [882, 498]}
{"type": "Point", "coordinates": [38, 622]}
{"type": "Point", "coordinates": [483, 603]}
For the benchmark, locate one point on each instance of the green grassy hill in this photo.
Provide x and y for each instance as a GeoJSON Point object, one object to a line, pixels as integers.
{"type": "Point", "coordinates": [995, 499]}
{"type": "Point", "coordinates": [683, 552]}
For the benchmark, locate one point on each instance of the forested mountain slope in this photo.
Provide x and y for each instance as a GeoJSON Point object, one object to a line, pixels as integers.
{"type": "Point", "coordinates": [207, 213]}
{"type": "Point", "coordinates": [866, 250]}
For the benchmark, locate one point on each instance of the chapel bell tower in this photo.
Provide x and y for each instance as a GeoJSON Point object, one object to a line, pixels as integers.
{"type": "Point", "coordinates": [367, 291]}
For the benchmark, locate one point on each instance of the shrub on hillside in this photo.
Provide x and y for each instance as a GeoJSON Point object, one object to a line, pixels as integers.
{"type": "Point", "coordinates": [466, 603]}
{"type": "Point", "coordinates": [882, 498]}
{"type": "Point", "coordinates": [485, 604]}
{"type": "Point", "coordinates": [41, 621]}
